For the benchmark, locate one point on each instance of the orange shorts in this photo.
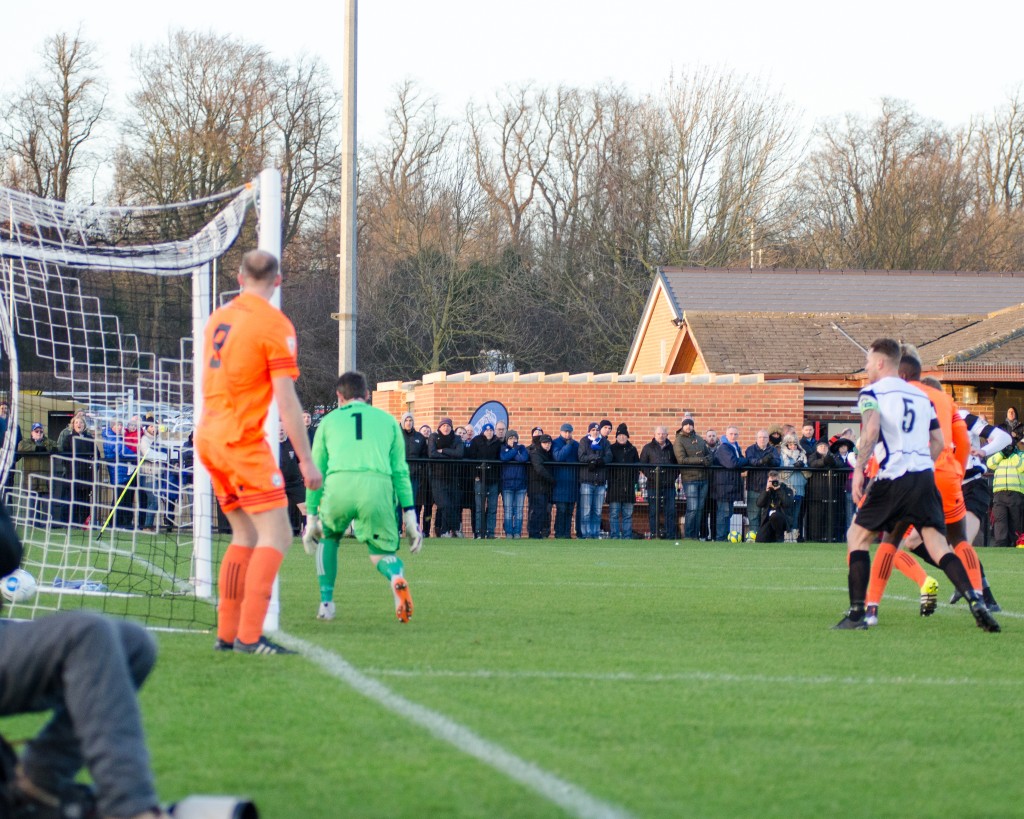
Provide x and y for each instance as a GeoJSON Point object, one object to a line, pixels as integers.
{"type": "Point", "coordinates": [244, 475]}
{"type": "Point", "coordinates": [952, 492]}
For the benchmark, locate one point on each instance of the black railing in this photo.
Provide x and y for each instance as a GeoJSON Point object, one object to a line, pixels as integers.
{"type": "Point", "coordinates": [467, 498]}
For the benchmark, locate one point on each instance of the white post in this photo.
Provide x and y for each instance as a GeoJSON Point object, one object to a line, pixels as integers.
{"type": "Point", "coordinates": [347, 253]}
{"type": "Point", "coordinates": [202, 490]}
{"type": "Point", "coordinates": [270, 241]}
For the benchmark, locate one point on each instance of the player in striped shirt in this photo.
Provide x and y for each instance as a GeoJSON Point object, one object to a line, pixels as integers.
{"type": "Point", "coordinates": [900, 428]}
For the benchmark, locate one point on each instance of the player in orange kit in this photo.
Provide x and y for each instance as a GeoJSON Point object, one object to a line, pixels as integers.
{"type": "Point", "coordinates": [249, 356]}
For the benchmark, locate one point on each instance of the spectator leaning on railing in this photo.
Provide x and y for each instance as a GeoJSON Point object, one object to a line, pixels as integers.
{"type": "Point", "coordinates": [693, 452]}
{"type": "Point", "coordinates": [621, 485]}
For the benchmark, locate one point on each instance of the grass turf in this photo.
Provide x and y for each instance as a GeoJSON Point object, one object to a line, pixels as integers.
{"type": "Point", "coordinates": [700, 680]}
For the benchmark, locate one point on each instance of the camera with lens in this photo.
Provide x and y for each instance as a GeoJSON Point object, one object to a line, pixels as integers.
{"type": "Point", "coordinates": [773, 483]}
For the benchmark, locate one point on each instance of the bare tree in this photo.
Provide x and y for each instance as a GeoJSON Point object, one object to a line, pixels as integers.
{"type": "Point", "coordinates": [305, 116]}
{"type": "Point", "coordinates": [51, 122]}
{"type": "Point", "coordinates": [891, 194]}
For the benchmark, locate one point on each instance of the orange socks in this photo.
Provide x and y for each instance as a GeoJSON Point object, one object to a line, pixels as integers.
{"type": "Point", "coordinates": [231, 589]}
{"type": "Point", "coordinates": [886, 558]}
{"type": "Point", "coordinates": [259, 582]}
{"type": "Point", "coordinates": [881, 569]}
{"type": "Point", "coordinates": [911, 568]}
{"type": "Point", "coordinates": [969, 557]}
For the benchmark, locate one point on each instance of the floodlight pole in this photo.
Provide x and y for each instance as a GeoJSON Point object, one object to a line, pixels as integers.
{"type": "Point", "coordinates": [346, 314]}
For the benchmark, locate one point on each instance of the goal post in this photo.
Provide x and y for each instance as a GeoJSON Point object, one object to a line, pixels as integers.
{"type": "Point", "coordinates": [104, 310]}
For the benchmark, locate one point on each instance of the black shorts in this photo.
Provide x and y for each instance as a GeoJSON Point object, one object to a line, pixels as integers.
{"type": "Point", "coordinates": [911, 498]}
{"type": "Point", "coordinates": [978, 497]}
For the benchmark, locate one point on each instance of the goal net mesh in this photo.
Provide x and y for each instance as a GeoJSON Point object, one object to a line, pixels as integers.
{"type": "Point", "coordinates": [100, 308]}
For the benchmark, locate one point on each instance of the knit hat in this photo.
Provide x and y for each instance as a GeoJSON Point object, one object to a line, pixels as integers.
{"type": "Point", "coordinates": [687, 422]}
{"type": "Point", "coordinates": [544, 439]}
{"type": "Point", "coordinates": [566, 427]}
{"type": "Point", "coordinates": [622, 429]}
{"type": "Point", "coordinates": [406, 415]}
{"type": "Point", "coordinates": [444, 421]}
{"type": "Point", "coordinates": [511, 434]}
{"type": "Point", "coordinates": [605, 423]}
{"type": "Point", "coordinates": [486, 427]}
{"type": "Point", "coordinates": [592, 426]}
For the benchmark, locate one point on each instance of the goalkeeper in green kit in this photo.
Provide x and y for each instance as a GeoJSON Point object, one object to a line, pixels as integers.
{"type": "Point", "coordinates": [361, 453]}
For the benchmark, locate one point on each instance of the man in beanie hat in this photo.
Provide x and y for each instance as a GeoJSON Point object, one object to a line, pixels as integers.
{"type": "Point", "coordinates": [622, 485]}
{"type": "Point", "coordinates": [692, 451]}
{"type": "Point", "coordinates": [565, 450]}
{"type": "Point", "coordinates": [595, 454]}
{"type": "Point", "coordinates": [515, 459]}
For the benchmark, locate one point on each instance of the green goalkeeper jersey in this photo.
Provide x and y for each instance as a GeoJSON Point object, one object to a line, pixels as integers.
{"type": "Point", "coordinates": [359, 438]}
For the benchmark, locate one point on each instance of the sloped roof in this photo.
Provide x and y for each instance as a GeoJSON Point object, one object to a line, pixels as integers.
{"type": "Point", "coordinates": [997, 336]}
{"type": "Point", "coordinates": [783, 342]}
{"type": "Point", "coordinates": [867, 292]}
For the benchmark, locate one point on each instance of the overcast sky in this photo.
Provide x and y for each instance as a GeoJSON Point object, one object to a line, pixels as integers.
{"type": "Point", "coordinates": [950, 61]}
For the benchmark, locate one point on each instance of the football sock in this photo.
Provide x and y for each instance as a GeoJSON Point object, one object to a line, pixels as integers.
{"type": "Point", "coordinates": [881, 570]}
{"type": "Point", "coordinates": [327, 567]}
{"type": "Point", "coordinates": [911, 568]}
{"type": "Point", "coordinates": [231, 589]}
{"type": "Point", "coordinates": [390, 566]}
{"type": "Point", "coordinates": [860, 573]}
{"type": "Point", "coordinates": [969, 557]}
{"type": "Point", "coordinates": [957, 574]}
{"type": "Point", "coordinates": [259, 582]}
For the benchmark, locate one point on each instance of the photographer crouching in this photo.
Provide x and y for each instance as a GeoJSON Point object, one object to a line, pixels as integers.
{"type": "Point", "coordinates": [776, 505]}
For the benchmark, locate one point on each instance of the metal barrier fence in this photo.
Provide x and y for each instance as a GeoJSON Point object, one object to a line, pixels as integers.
{"type": "Point", "coordinates": [468, 498]}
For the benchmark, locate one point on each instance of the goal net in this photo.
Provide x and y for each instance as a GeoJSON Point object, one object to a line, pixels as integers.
{"type": "Point", "coordinates": [101, 317]}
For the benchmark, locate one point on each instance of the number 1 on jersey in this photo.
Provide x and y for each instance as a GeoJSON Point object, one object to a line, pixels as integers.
{"type": "Point", "coordinates": [359, 425]}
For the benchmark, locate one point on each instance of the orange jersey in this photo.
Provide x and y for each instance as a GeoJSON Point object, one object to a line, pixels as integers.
{"type": "Point", "coordinates": [247, 343]}
{"type": "Point", "coordinates": [953, 457]}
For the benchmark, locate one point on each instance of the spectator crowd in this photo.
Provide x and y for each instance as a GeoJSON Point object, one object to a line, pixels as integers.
{"type": "Point", "coordinates": [784, 485]}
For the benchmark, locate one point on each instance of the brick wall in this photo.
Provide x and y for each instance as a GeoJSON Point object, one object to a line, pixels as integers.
{"type": "Point", "coordinates": [641, 406]}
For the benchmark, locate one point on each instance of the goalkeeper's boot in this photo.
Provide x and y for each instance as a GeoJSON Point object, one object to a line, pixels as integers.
{"type": "Point", "coordinates": [261, 646]}
{"type": "Point", "coordinates": [990, 601]}
{"type": "Point", "coordinates": [223, 645]}
{"type": "Point", "coordinates": [853, 621]}
{"type": "Point", "coordinates": [982, 616]}
{"type": "Point", "coordinates": [403, 598]}
{"type": "Point", "coordinates": [326, 611]}
{"type": "Point", "coordinates": [871, 615]}
{"type": "Point", "coordinates": [929, 596]}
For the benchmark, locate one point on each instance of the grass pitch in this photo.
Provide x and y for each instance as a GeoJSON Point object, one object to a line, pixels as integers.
{"type": "Point", "coordinates": [646, 678]}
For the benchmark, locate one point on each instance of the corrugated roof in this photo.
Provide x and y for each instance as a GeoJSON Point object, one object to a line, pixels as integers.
{"type": "Point", "coordinates": [868, 292]}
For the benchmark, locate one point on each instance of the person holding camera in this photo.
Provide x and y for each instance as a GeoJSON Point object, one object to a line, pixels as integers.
{"type": "Point", "coordinates": [776, 505]}
{"type": "Point", "coordinates": [763, 454]}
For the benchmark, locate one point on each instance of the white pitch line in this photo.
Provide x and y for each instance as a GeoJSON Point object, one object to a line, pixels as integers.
{"type": "Point", "coordinates": [692, 676]}
{"type": "Point", "coordinates": [567, 796]}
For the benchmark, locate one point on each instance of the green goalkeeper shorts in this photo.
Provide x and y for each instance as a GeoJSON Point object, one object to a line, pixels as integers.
{"type": "Point", "coordinates": [367, 501]}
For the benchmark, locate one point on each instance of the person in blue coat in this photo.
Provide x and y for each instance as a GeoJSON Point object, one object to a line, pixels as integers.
{"type": "Point", "coordinates": [564, 450]}
{"type": "Point", "coordinates": [514, 465]}
{"type": "Point", "coordinates": [728, 481]}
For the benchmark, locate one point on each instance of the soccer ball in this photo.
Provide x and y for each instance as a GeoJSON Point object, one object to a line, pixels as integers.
{"type": "Point", "coordinates": [751, 537]}
{"type": "Point", "coordinates": [18, 586]}
{"type": "Point", "coordinates": [735, 537]}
